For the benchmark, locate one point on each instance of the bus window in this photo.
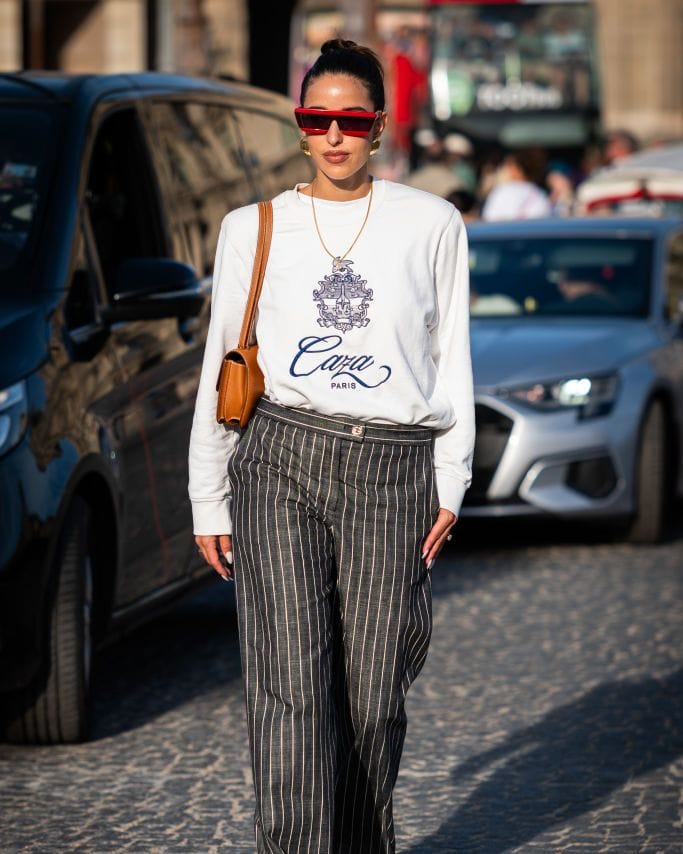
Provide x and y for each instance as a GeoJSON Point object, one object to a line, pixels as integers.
{"type": "Point", "coordinates": [492, 61]}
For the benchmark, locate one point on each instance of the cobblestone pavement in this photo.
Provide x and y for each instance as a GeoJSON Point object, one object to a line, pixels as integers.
{"type": "Point", "coordinates": [549, 717]}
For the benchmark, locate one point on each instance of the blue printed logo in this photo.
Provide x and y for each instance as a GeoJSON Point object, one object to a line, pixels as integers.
{"type": "Point", "coordinates": [342, 298]}
{"type": "Point", "coordinates": [312, 357]}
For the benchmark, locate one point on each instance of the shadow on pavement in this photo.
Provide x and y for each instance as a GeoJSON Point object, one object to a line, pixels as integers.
{"type": "Point", "coordinates": [564, 765]}
{"type": "Point", "coordinates": [194, 648]}
{"type": "Point", "coordinates": [191, 650]}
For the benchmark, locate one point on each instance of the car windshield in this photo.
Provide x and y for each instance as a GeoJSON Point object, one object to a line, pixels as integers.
{"type": "Point", "coordinates": [26, 134]}
{"type": "Point", "coordinates": [580, 276]}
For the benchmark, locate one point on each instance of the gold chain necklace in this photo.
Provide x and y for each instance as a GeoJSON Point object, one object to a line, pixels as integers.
{"type": "Point", "coordinates": [337, 259]}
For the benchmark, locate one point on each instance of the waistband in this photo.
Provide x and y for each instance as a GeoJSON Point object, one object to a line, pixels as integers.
{"type": "Point", "coordinates": [353, 429]}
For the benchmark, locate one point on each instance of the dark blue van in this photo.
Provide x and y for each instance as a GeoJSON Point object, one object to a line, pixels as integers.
{"type": "Point", "coordinates": [112, 190]}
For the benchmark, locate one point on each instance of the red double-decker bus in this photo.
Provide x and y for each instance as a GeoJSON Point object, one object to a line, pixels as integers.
{"type": "Point", "coordinates": [515, 72]}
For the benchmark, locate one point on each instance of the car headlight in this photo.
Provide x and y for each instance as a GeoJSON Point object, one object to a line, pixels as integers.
{"type": "Point", "coordinates": [13, 409]}
{"type": "Point", "coordinates": [591, 396]}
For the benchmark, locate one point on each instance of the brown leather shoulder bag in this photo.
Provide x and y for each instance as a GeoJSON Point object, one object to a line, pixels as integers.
{"type": "Point", "coordinates": [240, 381]}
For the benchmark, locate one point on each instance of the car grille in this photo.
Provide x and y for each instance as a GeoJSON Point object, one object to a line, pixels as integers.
{"type": "Point", "coordinates": [493, 432]}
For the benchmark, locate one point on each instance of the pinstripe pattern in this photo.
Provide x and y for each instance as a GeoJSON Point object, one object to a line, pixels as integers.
{"type": "Point", "coordinates": [334, 611]}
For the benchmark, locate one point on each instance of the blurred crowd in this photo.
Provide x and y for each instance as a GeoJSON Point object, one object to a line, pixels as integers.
{"type": "Point", "coordinates": [521, 184]}
{"type": "Point", "coordinates": [493, 184]}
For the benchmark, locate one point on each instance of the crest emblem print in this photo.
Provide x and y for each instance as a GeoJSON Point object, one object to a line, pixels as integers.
{"type": "Point", "coordinates": [342, 298]}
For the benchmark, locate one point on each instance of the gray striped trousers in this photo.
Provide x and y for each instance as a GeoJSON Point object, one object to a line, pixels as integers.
{"type": "Point", "coordinates": [334, 617]}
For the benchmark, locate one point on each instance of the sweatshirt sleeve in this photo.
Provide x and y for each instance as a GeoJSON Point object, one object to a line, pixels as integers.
{"type": "Point", "coordinates": [211, 443]}
{"type": "Point", "coordinates": [454, 446]}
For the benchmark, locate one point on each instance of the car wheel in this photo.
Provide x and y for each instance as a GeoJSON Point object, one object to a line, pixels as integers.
{"type": "Point", "coordinates": [58, 711]}
{"type": "Point", "coordinates": [650, 479]}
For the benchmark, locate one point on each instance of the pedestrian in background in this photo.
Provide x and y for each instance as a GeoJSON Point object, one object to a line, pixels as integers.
{"type": "Point", "coordinates": [560, 185]}
{"type": "Point", "coordinates": [434, 175]}
{"type": "Point", "coordinates": [340, 493]}
{"type": "Point", "coordinates": [619, 144]}
{"type": "Point", "coordinates": [458, 151]}
{"type": "Point", "coordinates": [517, 193]}
{"type": "Point", "coordinates": [466, 203]}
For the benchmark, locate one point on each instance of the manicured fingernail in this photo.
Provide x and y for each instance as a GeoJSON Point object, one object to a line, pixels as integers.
{"type": "Point", "coordinates": [424, 554]}
{"type": "Point", "coordinates": [430, 564]}
{"type": "Point", "coordinates": [228, 556]}
{"type": "Point", "coordinates": [225, 578]}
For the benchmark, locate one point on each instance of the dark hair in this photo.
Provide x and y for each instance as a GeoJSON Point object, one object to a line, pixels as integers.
{"type": "Point", "coordinates": [625, 137]}
{"type": "Point", "coordinates": [532, 162]}
{"type": "Point", "coordinates": [463, 200]}
{"type": "Point", "coordinates": [340, 56]}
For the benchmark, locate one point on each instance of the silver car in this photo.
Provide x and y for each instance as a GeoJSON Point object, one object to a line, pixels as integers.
{"type": "Point", "coordinates": [577, 345]}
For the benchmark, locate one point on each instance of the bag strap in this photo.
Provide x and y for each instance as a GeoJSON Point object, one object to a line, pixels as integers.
{"type": "Point", "coordinates": [265, 233]}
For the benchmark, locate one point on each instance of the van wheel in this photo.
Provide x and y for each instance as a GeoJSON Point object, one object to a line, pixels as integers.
{"type": "Point", "coordinates": [58, 711]}
{"type": "Point", "coordinates": [650, 474]}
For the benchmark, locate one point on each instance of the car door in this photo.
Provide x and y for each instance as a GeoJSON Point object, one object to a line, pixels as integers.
{"type": "Point", "coordinates": [125, 220]}
{"type": "Point", "coordinates": [202, 176]}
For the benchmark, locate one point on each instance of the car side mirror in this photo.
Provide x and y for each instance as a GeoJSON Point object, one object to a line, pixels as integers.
{"type": "Point", "coordinates": [154, 288]}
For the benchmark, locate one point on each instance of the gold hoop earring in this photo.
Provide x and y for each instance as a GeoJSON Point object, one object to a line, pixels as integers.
{"type": "Point", "coordinates": [374, 147]}
{"type": "Point", "coordinates": [303, 145]}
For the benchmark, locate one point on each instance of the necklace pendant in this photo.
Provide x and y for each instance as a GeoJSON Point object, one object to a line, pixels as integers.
{"type": "Point", "coordinates": [336, 263]}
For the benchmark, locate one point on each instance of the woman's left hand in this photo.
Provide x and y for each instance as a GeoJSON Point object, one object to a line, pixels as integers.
{"type": "Point", "coordinates": [436, 538]}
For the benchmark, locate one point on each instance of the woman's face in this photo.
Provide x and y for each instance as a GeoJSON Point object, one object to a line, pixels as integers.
{"type": "Point", "coordinates": [340, 157]}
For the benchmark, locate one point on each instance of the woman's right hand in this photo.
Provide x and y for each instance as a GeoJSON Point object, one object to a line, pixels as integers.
{"type": "Point", "coordinates": [216, 549]}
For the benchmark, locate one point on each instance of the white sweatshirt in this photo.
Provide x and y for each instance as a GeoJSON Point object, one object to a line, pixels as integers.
{"type": "Point", "coordinates": [385, 340]}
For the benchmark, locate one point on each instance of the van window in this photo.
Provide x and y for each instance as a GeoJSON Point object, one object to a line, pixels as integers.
{"type": "Point", "coordinates": [27, 140]}
{"type": "Point", "coordinates": [203, 173]}
{"type": "Point", "coordinates": [122, 198]}
{"type": "Point", "coordinates": [272, 146]}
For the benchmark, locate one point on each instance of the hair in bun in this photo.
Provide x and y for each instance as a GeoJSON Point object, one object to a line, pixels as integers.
{"type": "Point", "coordinates": [341, 56]}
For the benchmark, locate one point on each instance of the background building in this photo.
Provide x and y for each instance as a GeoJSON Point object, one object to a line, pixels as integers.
{"type": "Point", "coordinates": [109, 36]}
{"type": "Point", "coordinates": [640, 56]}
{"type": "Point", "coordinates": [640, 45]}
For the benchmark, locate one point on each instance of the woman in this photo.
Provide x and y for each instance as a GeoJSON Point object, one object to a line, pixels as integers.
{"type": "Point", "coordinates": [517, 193]}
{"type": "Point", "coordinates": [341, 491]}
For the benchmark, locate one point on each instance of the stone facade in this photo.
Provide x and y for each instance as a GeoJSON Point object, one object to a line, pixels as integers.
{"type": "Point", "coordinates": [10, 29]}
{"type": "Point", "coordinates": [109, 36]}
{"type": "Point", "coordinates": [641, 64]}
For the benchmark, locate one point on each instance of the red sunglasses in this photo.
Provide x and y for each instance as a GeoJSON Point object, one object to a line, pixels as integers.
{"type": "Point", "coordinates": [350, 122]}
